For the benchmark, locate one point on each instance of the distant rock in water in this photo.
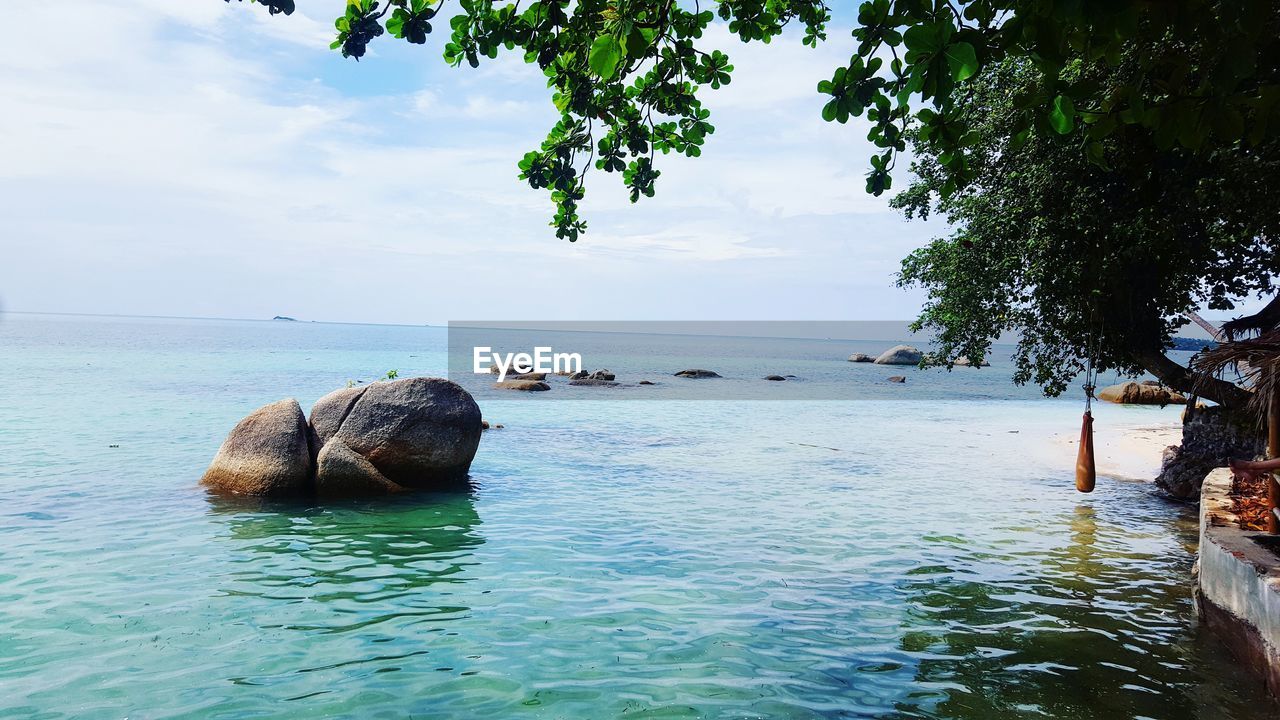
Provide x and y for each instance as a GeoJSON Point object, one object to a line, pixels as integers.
{"type": "Point", "coordinates": [267, 454]}
{"type": "Point", "coordinates": [525, 385]}
{"type": "Point", "coordinates": [285, 317]}
{"type": "Point", "coordinates": [861, 357]}
{"type": "Point", "coordinates": [528, 376]}
{"type": "Point", "coordinates": [1132, 393]}
{"type": "Point", "coordinates": [593, 382]}
{"type": "Point", "coordinates": [419, 433]}
{"type": "Point", "coordinates": [645, 382]}
{"type": "Point", "coordinates": [897, 378]}
{"type": "Point", "coordinates": [964, 361]}
{"type": "Point", "coordinates": [900, 355]}
{"type": "Point", "coordinates": [697, 374]}
{"type": "Point", "coordinates": [775, 378]}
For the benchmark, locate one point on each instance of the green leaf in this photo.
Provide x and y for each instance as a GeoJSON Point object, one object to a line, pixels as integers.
{"type": "Point", "coordinates": [1063, 115]}
{"type": "Point", "coordinates": [395, 25]}
{"type": "Point", "coordinates": [637, 43]}
{"type": "Point", "coordinates": [606, 53]}
{"type": "Point", "coordinates": [962, 60]}
{"type": "Point", "coordinates": [922, 38]}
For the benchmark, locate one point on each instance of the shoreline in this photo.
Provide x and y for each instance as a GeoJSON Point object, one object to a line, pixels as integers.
{"type": "Point", "coordinates": [1125, 449]}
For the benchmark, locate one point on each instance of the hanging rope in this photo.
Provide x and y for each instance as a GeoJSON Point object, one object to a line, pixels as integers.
{"type": "Point", "coordinates": [1086, 472]}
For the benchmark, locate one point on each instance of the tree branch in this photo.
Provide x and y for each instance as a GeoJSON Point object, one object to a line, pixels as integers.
{"type": "Point", "coordinates": [1184, 381]}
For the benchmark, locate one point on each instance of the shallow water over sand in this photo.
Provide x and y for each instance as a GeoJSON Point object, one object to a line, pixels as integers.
{"type": "Point", "coordinates": [923, 558]}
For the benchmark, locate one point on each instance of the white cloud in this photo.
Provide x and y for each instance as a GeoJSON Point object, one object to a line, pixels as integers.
{"type": "Point", "coordinates": [202, 158]}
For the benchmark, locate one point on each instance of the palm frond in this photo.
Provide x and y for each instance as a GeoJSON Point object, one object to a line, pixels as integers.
{"type": "Point", "coordinates": [1255, 364]}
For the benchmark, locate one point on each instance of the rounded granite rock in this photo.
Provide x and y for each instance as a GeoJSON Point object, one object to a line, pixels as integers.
{"type": "Point", "coordinates": [900, 355]}
{"type": "Point", "coordinates": [419, 432]}
{"type": "Point", "coordinates": [267, 454]}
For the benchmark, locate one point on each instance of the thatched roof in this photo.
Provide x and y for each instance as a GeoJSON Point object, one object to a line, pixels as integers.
{"type": "Point", "coordinates": [1254, 363]}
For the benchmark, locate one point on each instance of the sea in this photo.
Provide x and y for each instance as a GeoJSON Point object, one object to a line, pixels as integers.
{"type": "Point", "coordinates": [859, 549]}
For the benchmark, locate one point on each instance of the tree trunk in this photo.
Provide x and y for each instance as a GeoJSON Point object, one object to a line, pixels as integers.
{"type": "Point", "coordinates": [1205, 325]}
{"type": "Point", "coordinates": [1184, 381]}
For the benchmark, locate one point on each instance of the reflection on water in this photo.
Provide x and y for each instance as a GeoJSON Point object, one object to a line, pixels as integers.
{"type": "Point", "coordinates": [401, 553]}
{"type": "Point", "coordinates": [1090, 628]}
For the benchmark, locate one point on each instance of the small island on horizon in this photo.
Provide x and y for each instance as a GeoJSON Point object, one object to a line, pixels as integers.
{"type": "Point", "coordinates": [285, 317]}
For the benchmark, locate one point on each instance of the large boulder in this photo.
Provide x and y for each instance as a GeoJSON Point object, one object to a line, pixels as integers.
{"type": "Point", "coordinates": [900, 355]}
{"type": "Point", "coordinates": [341, 472]}
{"type": "Point", "coordinates": [1132, 393]}
{"type": "Point", "coordinates": [267, 454]}
{"type": "Point", "coordinates": [1211, 436]}
{"type": "Point", "coordinates": [419, 432]}
{"type": "Point", "coordinates": [329, 411]}
{"type": "Point", "coordinates": [697, 373]}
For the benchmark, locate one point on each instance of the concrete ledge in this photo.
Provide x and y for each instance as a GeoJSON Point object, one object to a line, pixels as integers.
{"type": "Point", "coordinates": [1237, 583]}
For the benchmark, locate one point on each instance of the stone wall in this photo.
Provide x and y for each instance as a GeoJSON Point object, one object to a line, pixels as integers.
{"type": "Point", "coordinates": [1237, 584]}
{"type": "Point", "coordinates": [1210, 437]}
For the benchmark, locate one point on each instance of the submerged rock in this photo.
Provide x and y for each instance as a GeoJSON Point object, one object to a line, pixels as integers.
{"type": "Point", "coordinates": [897, 378]}
{"type": "Point", "coordinates": [593, 382]}
{"type": "Point", "coordinates": [861, 357]}
{"type": "Point", "coordinates": [696, 373]}
{"type": "Point", "coordinates": [900, 355]}
{"type": "Point", "coordinates": [268, 454]}
{"type": "Point", "coordinates": [1132, 393]}
{"type": "Point", "coordinates": [645, 382]}
{"type": "Point", "coordinates": [775, 378]}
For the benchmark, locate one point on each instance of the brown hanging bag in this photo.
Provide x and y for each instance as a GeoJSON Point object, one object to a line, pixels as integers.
{"type": "Point", "coordinates": [1086, 473]}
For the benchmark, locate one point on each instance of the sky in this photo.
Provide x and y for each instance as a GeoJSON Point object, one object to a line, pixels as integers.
{"type": "Point", "coordinates": [200, 158]}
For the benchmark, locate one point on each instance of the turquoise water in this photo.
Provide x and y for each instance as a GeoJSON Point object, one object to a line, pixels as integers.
{"type": "Point", "coordinates": [871, 559]}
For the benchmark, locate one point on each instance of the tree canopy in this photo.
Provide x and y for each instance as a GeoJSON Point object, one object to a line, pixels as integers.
{"type": "Point", "coordinates": [627, 75]}
{"type": "Point", "coordinates": [1083, 260]}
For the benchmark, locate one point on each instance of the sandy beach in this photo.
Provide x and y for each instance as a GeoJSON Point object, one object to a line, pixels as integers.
{"type": "Point", "coordinates": [1128, 442]}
